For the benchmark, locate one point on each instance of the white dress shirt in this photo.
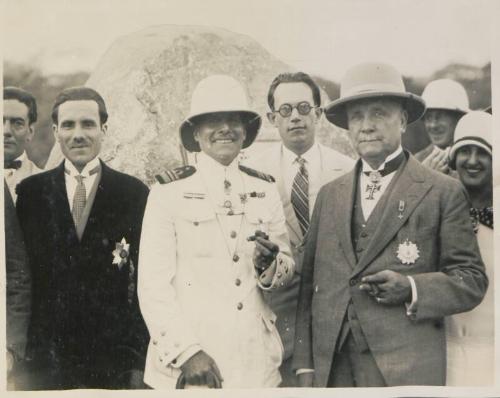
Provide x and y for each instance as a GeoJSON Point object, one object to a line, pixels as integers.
{"type": "Point", "coordinates": [290, 168]}
{"type": "Point", "coordinates": [71, 172]}
{"type": "Point", "coordinates": [15, 176]}
{"type": "Point", "coordinates": [367, 205]}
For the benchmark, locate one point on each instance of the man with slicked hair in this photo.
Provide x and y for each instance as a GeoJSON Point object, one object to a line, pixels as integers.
{"type": "Point", "coordinates": [300, 165]}
{"type": "Point", "coordinates": [19, 117]}
{"type": "Point", "coordinates": [82, 224]}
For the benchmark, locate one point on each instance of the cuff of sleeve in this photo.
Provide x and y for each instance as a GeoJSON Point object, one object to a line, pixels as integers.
{"type": "Point", "coordinates": [411, 308]}
{"type": "Point", "coordinates": [185, 355]}
{"type": "Point", "coordinates": [301, 371]}
{"type": "Point", "coordinates": [266, 277]}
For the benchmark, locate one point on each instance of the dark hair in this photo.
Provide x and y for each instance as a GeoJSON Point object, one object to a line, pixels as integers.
{"type": "Point", "coordinates": [297, 77]}
{"type": "Point", "coordinates": [80, 94]}
{"type": "Point", "coordinates": [23, 96]}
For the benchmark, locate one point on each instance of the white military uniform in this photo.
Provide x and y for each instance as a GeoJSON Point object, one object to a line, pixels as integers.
{"type": "Point", "coordinates": [198, 288]}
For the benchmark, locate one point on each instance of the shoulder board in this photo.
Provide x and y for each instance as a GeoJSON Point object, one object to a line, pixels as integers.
{"type": "Point", "coordinates": [256, 173]}
{"type": "Point", "coordinates": [175, 174]}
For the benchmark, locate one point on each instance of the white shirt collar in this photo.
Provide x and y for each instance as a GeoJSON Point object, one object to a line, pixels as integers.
{"type": "Point", "coordinates": [72, 171]}
{"type": "Point", "coordinates": [367, 167]}
{"type": "Point", "coordinates": [310, 155]}
{"type": "Point", "coordinates": [211, 165]}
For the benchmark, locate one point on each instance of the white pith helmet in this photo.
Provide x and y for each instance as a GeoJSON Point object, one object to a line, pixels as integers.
{"type": "Point", "coordinates": [446, 94]}
{"type": "Point", "coordinates": [475, 128]}
{"type": "Point", "coordinates": [218, 94]}
{"type": "Point", "coordinates": [373, 80]}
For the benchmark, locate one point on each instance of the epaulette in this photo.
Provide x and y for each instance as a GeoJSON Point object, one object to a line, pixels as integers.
{"type": "Point", "coordinates": [256, 173]}
{"type": "Point", "coordinates": [175, 174]}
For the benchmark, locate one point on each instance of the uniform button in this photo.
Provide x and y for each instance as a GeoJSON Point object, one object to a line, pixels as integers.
{"type": "Point", "coordinates": [363, 234]}
{"type": "Point", "coordinates": [279, 275]}
{"type": "Point", "coordinates": [161, 359]}
{"type": "Point", "coordinates": [287, 329]}
{"type": "Point", "coordinates": [105, 242]}
{"type": "Point", "coordinates": [196, 223]}
{"type": "Point", "coordinates": [155, 342]}
{"type": "Point", "coordinates": [360, 249]}
{"type": "Point", "coordinates": [163, 333]}
{"type": "Point", "coordinates": [237, 282]}
{"type": "Point", "coordinates": [363, 225]}
{"type": "Point", "coordinates": [174, 361]}
{"type": "Point", "coordinates": [230, 213]}
{"type": "Point", "coordinates": [353, 282]}
{"type": "Point", "coordinates": [239, 306]}
{"type": "Point", "coordinates": [236, 258]}
{"type": "Point", "coordinates": [233, 234]}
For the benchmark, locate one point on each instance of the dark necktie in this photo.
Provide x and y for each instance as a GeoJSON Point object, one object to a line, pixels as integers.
{"type": "Point", "coordinates": [13, 164]}
{"type": "Point", "coordinates": [300, 196]}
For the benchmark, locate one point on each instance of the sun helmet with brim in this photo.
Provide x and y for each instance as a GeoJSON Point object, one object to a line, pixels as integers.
{"type": "Point", "coordinates": [373, 81]}
{"type": "Point", "coordinates": [223, 95]}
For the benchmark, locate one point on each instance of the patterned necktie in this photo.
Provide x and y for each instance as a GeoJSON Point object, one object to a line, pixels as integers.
{"type": "Point", "coordinates": [79, 200]}
{"type": "Point", "coordinates": [300, 196]}
{"type": "Point", "coordinates": [13, 164]}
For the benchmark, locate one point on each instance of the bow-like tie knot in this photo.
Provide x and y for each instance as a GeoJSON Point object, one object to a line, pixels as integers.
{"type": "Point", "coordinates": [13, 164]}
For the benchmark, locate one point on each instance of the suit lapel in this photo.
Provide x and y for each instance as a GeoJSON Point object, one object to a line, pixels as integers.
{"type": "Point", "coordinates": [57, 198]}
{"type": "Point", "coordinates": [342, 217]}
{"type": "Point", "coordinates": [409, 188]}
{"type": "Point", "coordinates": [99, 209]}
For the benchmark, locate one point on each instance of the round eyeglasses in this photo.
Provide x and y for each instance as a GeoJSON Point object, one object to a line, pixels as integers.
{"type": "Point", "coordinates": [304, 108]}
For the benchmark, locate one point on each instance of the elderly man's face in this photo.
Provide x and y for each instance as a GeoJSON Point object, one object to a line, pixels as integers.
{"type": "Point", "coordinates": [79, 131]}
{"type": "Point", "coordinates": [221, 136]}
{"type": "Point", "coordinates": [474, 167]}
{"type": "Point", "coordinates": [440, 126]}
{"type": "Point", "coordinates": [375, 127]}
{"type": "Point", "coordinates": [17, 131]}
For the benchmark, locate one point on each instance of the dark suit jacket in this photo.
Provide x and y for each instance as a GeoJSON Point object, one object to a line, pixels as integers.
{"type": "Point", "coordinates": [85, 319]}
{"type": "Point", "coordinates": [18, 280]}
{"type": "Point", "coordinates": [449, 275]}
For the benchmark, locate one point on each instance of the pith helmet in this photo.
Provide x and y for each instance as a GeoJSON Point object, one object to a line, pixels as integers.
{"type": "Point", "coordinates": [218, 94]}
{"type": "Point", "coordinates": [373, 80]}
{"type": "Point", "coordinates": [475, 128]}
{"type": "Point", "coordinates": [446, 94]}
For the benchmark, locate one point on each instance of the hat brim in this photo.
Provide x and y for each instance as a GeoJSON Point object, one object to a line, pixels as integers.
{"type": "Point", "coordinates": [251, 120]}
{"type": "Point", "coordinates": [336, 113]}
{"type": "Point", "coordinates": [464, 142]}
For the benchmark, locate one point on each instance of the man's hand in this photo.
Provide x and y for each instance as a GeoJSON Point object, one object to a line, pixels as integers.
{"type": "Point", "coordinates": [305, 379]}
{"type": "Point", "coordinates": [387, 287]}
{"type": "Point", "coordinates": [201, 370]}
{"type": "Point", "coordinates": [438, 160]}
{"type": "Point", "coordinates": [265, 251]}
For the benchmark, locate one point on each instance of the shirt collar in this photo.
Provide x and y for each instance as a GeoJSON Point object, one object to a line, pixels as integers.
{"type": "Point", "coordinates": [213, 167]}
{"type": "Point", "coordinates": [310, 155]}
{"type": "Point", "coordinates": [90, 166]}
{"type": "Point", "coordinates": [367, 167]}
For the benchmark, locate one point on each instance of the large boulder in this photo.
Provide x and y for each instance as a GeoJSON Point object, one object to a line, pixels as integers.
{"type": "Point", "coordinates": [147, 79]}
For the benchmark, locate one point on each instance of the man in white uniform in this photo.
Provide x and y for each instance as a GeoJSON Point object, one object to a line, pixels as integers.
{"type": "Point", "coordinates": [213, 238]}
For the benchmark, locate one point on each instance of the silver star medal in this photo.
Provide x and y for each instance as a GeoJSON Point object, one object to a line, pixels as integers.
{"type": "Point", "coordinates": [408, 252]}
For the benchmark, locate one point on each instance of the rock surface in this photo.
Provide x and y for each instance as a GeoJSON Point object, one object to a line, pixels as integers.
{"type": "Point", "coordinates": [147, 78]}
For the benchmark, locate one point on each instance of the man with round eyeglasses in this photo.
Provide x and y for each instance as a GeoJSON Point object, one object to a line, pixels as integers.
{"type": "Point", "coordinates": [300, 165]}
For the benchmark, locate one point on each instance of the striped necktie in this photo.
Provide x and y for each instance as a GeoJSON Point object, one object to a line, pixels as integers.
{"type": "Point", "coordinates": [79, 199]}
{"type": "Point", "coordinates": [300, 196]}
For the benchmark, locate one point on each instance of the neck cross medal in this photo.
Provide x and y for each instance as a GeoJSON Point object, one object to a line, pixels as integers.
{"type": "Point", "coordinates": [374, 185]}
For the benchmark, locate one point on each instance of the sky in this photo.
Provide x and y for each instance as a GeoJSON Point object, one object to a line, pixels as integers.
{"type": "Point", "coordinates": [321, 37]}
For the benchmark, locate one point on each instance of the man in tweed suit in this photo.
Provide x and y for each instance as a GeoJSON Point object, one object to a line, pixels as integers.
{"type": "Point", "coordinates": [390, 252]}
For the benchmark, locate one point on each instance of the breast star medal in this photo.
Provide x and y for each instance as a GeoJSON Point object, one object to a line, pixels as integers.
{"type": "Point", "coordinates": [408, 252]}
